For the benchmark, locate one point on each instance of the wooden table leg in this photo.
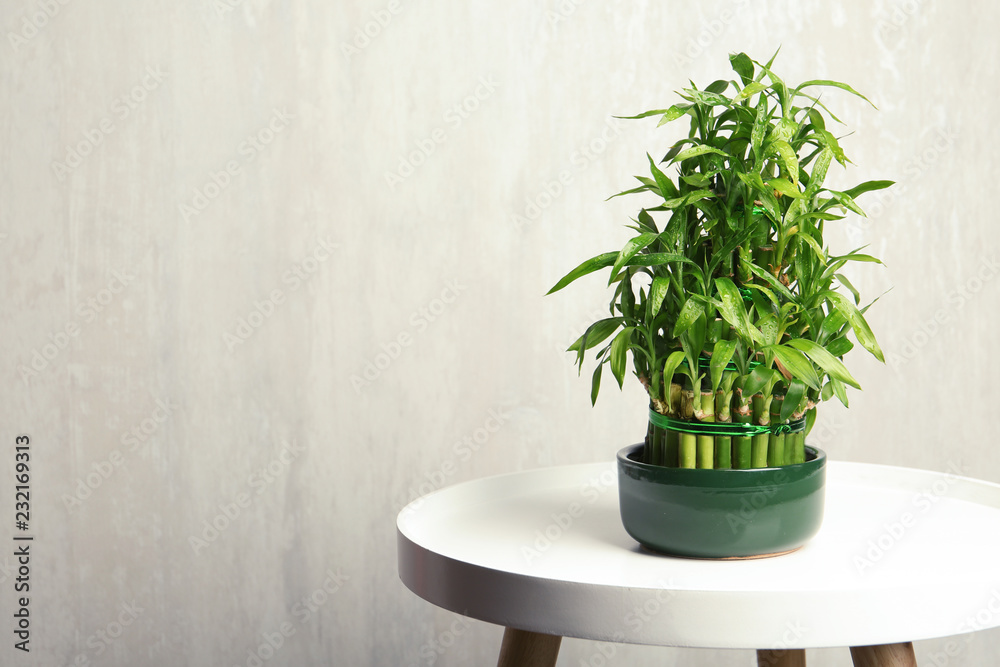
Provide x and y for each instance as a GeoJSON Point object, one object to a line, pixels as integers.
{"type": "Point", "coordinates": [887, 655]}
{"type": "Point", "coordinates": [781, 658]}
{"type": "Point", "coordinates": [521, 648]}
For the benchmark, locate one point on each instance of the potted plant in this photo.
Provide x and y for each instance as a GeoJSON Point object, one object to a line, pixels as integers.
{"type": "Point", "coordinates": [735, 316]}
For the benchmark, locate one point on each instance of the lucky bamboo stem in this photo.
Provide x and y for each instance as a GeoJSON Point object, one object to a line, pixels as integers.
{"type": "Point", "coordinates": [673, 437]}
{"type": "Point", "coordinates": [762, 416]}
{"type": "Point", "coordinates": [776, 441]}
{"type": "Point", "coordinates": [741, 444]}
{"type": "Point", "coordinates": [688, 442]}
{"type": "Point", "coordinates": [723, 414]}
{"type": "Point", "coordinates": [706, 443]}
{"type": "Point", "coordinates": [795, 447]}
{"type": "Point", "coordinates": [671, 446]}
{"type": "Point", "coordinates": [795, 443]}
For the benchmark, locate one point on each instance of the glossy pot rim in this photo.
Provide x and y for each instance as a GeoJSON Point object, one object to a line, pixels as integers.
{"type": "Point", "coordinates": [815, 461]}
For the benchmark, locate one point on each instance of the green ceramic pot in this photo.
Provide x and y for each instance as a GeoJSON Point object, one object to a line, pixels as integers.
{"type": "Point", "coordinates": [701, 513]}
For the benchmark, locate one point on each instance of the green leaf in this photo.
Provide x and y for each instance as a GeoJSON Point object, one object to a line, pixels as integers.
{"type": "Point", "coordinates": [648, 184]}
{"type": "Point", "coordinates": [662, 182]}
{"type": "Point", "coordinates": [674, 112]}
{"type": "Point", "coordinates": [868, 186]}
{"type": "Point", "coordinates": [785, 129]}
{"type": "Point", "coordinates": [770, 280]}
{"type": "Point", "coordinates": [816, 118]}
{"type": "Point", "coordinates": [760, 289]}
{"type": "Point", "coordinates": [821, 106]}
{"type": "Point", "coordinates": [657, 258]}
{"type": "Point", "coordinates": [619, 348]}
{"type": "Point", "coordinates": [698, 180]}
{"type": "Point", "coordinates": [785, 187]}
{"type": "Point", "coordinates": [820, 167]}
{"type": "Point", "coordinates": [847, 283]}
{"type": "Point", "coordinates": [718, 256]}
{"type": "Point", "coordinates": [752, 181]}
{"type": "Point", "coordinates": [705, 97]}
{"type": "Point", "coordinates": [751, 89]}
{"type": "Point", "coordinates": [830, 141]}
{"type": "Point", "coordinates": [732, 310]}
{"type": "Point", "coordinates": [861, 329]}
{"type": "Point", "coordinates": [839, 391]}
{"type": "Point", "coordinates": [717, 86]}
{"type": "Point", "coordinates": [646, 222]}
{"type": "Point", "coordinates": [641, 188]}
{"type": "Point", "coordinates": [759, 378]}
{"type": "Point", "coordinates": [766, 69]}
{"type": "Point", "coordinates": [838, 347]}
{"type": "Point", "coordinates": [768, 325]}
{"type": "Point", "coordinates": [760, 125]}
{"type": "Point", "coordinates": [633, 246]}
{"type": "Point", "coordinates": [813, 243]}
{"type": "Point", "coordinates": [674, 361]}
{"type": "Point", "coordinates": [676, 148]}
{"type": "Point", "coordinates": [743, 66]}
{"type": "Point", "coordinates": [819, 215]}
{"type": "Point", "coordinates": [793, 398]}
{"type": "Point", "coordinates": [847, 201]}
{"type": "Point", "coordinates": [696, 334]}
{"type": "Point", "coordinates": [797, 364]}
{"type": "Point", "coordinates": [624, 289]}
{"type": "Point", "coordinates": [692, 196]}
{"type": "Point", "coordinates": [695, 151]}
{"type": "Point", "coordinates": [835, 84]}
{"type": "Point", "coordinates": [827, 392]}
{"type": "Point", "coordinates": [856, 257]}
{"type": "Point", "coordinates": [833, 366]}
{"type": "Point", "coordinates": [793, 212]}
{"type": "Point", "coordinates": [689, 313]}
{"type": "Point", "coordinates": [810, 420]}
{"type": "Point", "coordinates": [833, 323]}
{"type": "Point", "coordinates": [658, 290]}
{"type": "Point", "coordinates": [595, 334]}
{"type": "Point", "coordinates": [693, 341]}
{"type": "Point", "coordinates": [770, 203]}
{"type": "Point", "coordinates": [593, 264]}
{"type": "Point", "coordinates": [721, 355]}
{"type": "Point", "coordinates": [788, 158]}
{"type": "Point", "coordinates": [595, 383]}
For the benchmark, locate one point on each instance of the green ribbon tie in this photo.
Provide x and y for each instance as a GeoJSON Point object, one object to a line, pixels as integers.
{"type": "Point", "coordinates": [724, 428]}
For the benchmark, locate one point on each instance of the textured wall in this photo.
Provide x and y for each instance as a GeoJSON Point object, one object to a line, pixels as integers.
{"type": "Point", "coordinates": [276, 267]}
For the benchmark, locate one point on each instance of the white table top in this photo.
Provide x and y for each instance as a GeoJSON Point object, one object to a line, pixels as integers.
{"type": "Point", "coordinates": [902, 555]}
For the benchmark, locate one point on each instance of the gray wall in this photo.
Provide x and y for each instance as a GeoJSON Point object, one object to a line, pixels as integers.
{"type": "Point", "coordinates": [227, 300]}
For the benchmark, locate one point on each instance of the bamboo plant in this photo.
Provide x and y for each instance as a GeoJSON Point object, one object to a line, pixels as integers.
{"type": "Point", "coordinates": [728, 302]}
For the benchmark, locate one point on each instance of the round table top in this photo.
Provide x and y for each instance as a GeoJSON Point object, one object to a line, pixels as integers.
{"type": "Point", "coordinates": [902, 555]}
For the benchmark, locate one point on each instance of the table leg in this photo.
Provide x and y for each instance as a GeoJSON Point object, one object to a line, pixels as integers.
{"type": "Point", "coordinates": [781, 658]}
{"type": "Point", "coordinates": [887, 655]}
{"type": "Point", "coordinates": [521, 648]}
